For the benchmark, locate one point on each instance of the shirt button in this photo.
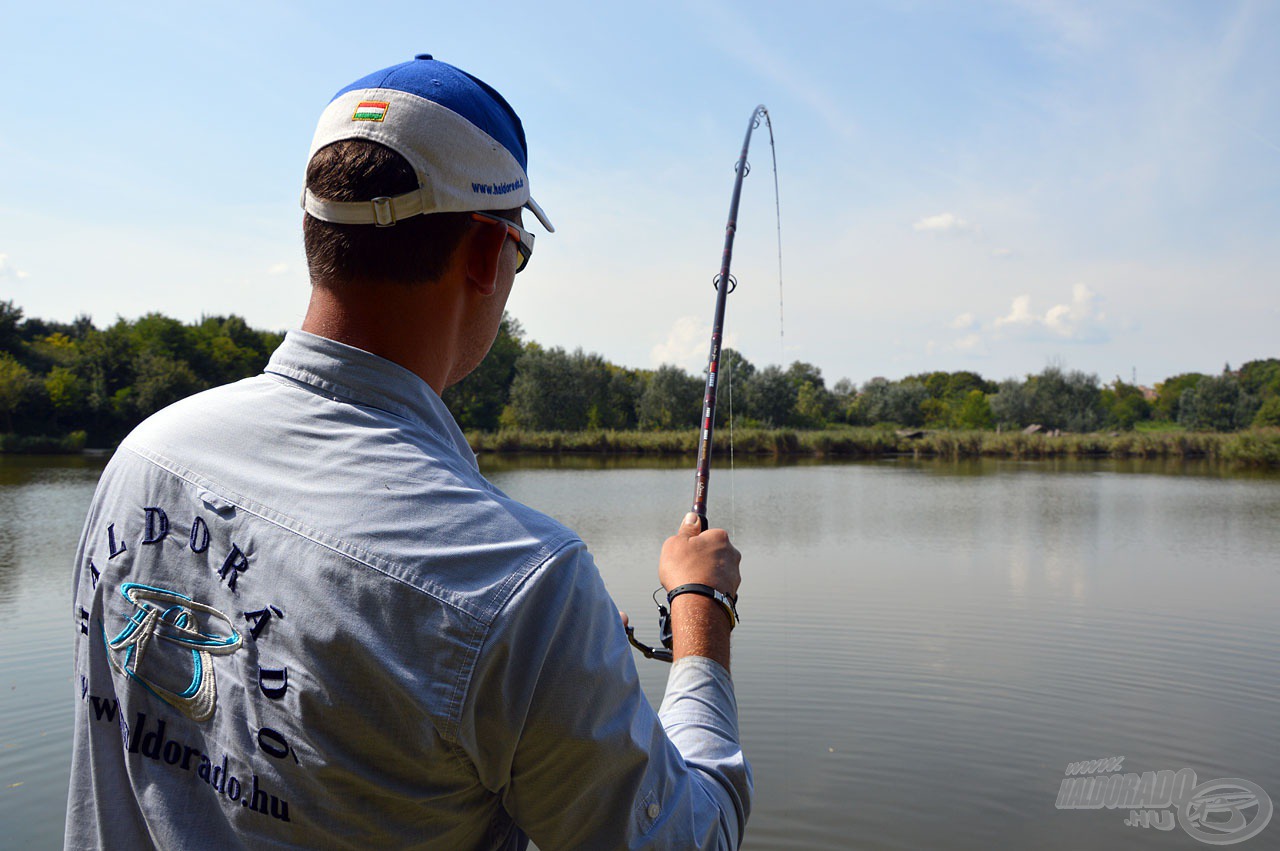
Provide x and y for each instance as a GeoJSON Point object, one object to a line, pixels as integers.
{"type": "Point", "coordinates": [653, 811]}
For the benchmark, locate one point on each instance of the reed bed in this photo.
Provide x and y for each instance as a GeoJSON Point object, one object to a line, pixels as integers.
{"type": "Point", "coordinates": [1254, 448]}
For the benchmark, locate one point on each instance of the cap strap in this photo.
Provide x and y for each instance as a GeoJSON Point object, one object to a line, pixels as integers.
{"type": "Point", "coordinates": [381, 211]}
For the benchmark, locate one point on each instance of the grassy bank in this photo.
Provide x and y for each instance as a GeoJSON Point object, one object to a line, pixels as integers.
{"type": "Point", "coordinates": [1255, 448]}
{"type": "Point", "coordinates": [67, 444]}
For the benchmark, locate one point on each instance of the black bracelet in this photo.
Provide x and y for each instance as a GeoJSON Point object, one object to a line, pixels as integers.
{"type": "Point", "coordinates": [727, 602]}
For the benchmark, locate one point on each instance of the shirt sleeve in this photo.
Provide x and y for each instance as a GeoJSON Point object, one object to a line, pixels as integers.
{"type": "Point", "coordinates": [557, 726]}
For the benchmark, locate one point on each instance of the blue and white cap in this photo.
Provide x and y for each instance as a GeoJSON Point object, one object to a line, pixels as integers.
{"type": "Point", "coordinates": [464, 141]}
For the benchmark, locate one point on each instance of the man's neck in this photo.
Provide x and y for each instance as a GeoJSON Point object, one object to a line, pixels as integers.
{"type": "Point", "coordinates": [413, 326]}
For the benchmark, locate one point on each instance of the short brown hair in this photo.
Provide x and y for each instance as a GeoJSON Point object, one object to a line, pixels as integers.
{"type": "Point", "coordinates": [414, 250]}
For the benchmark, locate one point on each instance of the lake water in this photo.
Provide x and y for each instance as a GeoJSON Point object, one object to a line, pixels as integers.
{"type": "Point", "coordinates": [925, 646]}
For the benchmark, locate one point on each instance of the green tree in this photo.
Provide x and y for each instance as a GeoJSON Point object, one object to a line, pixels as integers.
{"type": "Point", "coordinates": [220, 349]}
{"type": "Point", "coordinates": [1125, 405]}
{"type": "Point", "coordinates": [158, 334]}
{"type": "Point", "coordinates": [815, 406]}
{"type": "Point", "coordinates": [1268, 414]}
{"type": "Point", "coordinates": [736, 373]}
{"type": "Point", "coordinates": [1216, 403]}
{"type": "Point", "coordinates": [106, 362]}
{"type": "Point", "coordinates": [548, 392]}
{"type": "Point", "coordinates": [593, 377]}
{"type": "Point", "coordinates": [671, 399]}
{"type": "Point", "coordinates": [897, 402]}
{"type": "Point", "coordinates": [14, 380]}
{"type": "Point", "coordinates": [1261, 378]}
{"type": "Point", "coordinates": [55, 349]}
{"type": "Point", "coordinates": [1169, 395]}
{"type": "Point", "coordinates": [952, 387]}
{"type": "Point", "coordinates": [67, 391]}
{"type": "Point", "coordinates": [735, 367]}
{"type": "Point", "coordinates": [1011, 406]}
{"type": "Point", "coordinates": [975, 412]}
{"type": "Point", "coordinates": [10, 319]}
{"type": "Point", "coordinates": [620, 407]}
{"type": "Point", "coordinates": [1066, 400]}
{"type": "Point", "coordinates": [936, 412]}
{"type": "Point", "coordinates": [769, 397]}
{"type": "Point", "coordinates": [162, 380]}
{"type": "Point", "coordinates": [844, 396]}
{"type": "Point", "coordinates": [805, 373]}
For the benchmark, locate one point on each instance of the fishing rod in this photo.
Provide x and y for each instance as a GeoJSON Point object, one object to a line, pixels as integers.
{"type": "Point", "coordinates": [724, 284]}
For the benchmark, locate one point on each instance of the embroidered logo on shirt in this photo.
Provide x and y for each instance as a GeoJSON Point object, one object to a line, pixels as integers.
{"type": "Point", "coordinates": [371, 110]}
{"type": "Point", "coordinates": [173, 619]}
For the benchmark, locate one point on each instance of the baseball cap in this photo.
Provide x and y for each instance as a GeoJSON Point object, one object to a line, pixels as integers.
{"type": "Point", "coordinates": [465, 143]}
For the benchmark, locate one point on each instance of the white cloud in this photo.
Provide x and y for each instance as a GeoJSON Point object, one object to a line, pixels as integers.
{"type": "Point", "coordinates": [1002, 253]}
{"type": "Point", "coordinates": [947, 224]}
{"type": "Point", "coordinates": [278, 268]}
{"type": "Point", "coordinates": [686, 345]}
{"type": "Point", "coordinates": [1019, 313]}
{"type": "Point", "coordinates": [1080, 320]}
{"type": "Point", "coordinates": [8, 270]}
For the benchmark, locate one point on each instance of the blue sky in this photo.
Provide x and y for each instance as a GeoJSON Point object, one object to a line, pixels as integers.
{"type": "Point", "coordinates": [993, 186]}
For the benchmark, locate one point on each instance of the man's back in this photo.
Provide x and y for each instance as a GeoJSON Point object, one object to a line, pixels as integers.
{"type": "Point", "coordinates": [308, 621]}
{"type": "Point", "coordinates": [401, 629]}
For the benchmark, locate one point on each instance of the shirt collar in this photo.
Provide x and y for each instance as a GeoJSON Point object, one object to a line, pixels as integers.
{"type": "Point", "coordinates": [354, 375]}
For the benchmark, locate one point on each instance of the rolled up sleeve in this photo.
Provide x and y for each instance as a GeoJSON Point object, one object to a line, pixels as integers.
{"type": "Point", "coordinates": [700, 716]}
{"type": "Point", "coordinates": [559, 728]}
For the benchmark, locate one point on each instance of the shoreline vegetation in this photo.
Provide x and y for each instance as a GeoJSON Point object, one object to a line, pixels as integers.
{"type": "Point", "coordinates": [1253, 448]}
{"type": "Point", "coordinates": [1257, 448]}
{"type": "Point", "coordinates": [68, 386]}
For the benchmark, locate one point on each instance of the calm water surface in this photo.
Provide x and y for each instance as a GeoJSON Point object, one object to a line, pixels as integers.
{"type": "Point", "coordinates": [924, 646]}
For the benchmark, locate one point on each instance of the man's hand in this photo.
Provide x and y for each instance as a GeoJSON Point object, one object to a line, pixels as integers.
{"type": "Point", "coordinates": [707, 558]}
{"type": "Point", "coordinates": [699, 626]}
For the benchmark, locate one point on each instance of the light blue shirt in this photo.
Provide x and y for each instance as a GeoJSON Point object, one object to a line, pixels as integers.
{"type": "Point", "coordinates": [305, 619]}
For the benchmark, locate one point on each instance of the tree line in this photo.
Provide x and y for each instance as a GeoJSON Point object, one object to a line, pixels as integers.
{"type": "Point", "coordinates": [74, 378]}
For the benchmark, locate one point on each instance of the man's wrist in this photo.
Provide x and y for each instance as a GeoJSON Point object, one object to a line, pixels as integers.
{"type": "Point", "coordinates": [727, 602]}
{"type": "Point", "coordinates": [699, 628]}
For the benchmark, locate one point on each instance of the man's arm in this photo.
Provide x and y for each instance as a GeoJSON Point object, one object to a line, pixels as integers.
{"type": "Point", "coordinates": [699, 625]}
{"type": "Point", "coordinates": [557, 725]}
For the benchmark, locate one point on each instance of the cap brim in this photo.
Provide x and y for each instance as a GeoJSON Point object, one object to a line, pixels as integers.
{"type": "Point", "coordinates": [533, 207]}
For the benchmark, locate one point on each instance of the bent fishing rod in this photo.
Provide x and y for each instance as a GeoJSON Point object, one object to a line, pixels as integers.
{"type": "Point", "coordinates": [724, 284]}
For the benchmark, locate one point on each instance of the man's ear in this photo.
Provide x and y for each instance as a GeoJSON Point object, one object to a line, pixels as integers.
{"type": "Point", "coordinates": [482, 247]}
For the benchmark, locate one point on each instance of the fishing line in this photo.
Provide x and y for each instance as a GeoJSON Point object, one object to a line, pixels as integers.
{"type": "Point", "coordinates": [777, 208]}
{"type": "Point", "coordinates": [733, 493]}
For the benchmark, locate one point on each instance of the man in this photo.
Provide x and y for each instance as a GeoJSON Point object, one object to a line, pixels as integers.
{"type": "Point", "coordinates": [306, 620]}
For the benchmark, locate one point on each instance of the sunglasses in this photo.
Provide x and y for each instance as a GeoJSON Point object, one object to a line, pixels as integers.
{"type": "Point", "coordinates": [523, 239]}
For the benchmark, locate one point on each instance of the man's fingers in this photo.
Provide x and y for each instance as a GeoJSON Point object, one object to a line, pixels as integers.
{"type": "Point", "coordinates": [690, 526]}
{"type": "Point", "coordinates": [626, 622]}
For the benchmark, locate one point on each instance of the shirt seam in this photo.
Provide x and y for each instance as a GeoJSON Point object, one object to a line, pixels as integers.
{"type": "Point", "coordinates": [551, 550]}
{"type": "Point", "coordinates": [339, 392]}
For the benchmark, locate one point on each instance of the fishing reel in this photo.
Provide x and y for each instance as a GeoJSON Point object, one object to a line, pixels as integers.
{"type": "Point", "coordinates": [662, 654]}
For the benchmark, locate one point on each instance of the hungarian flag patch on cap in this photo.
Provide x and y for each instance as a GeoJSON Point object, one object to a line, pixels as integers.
{"type": "Point", "coordinates": [370, 110]}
